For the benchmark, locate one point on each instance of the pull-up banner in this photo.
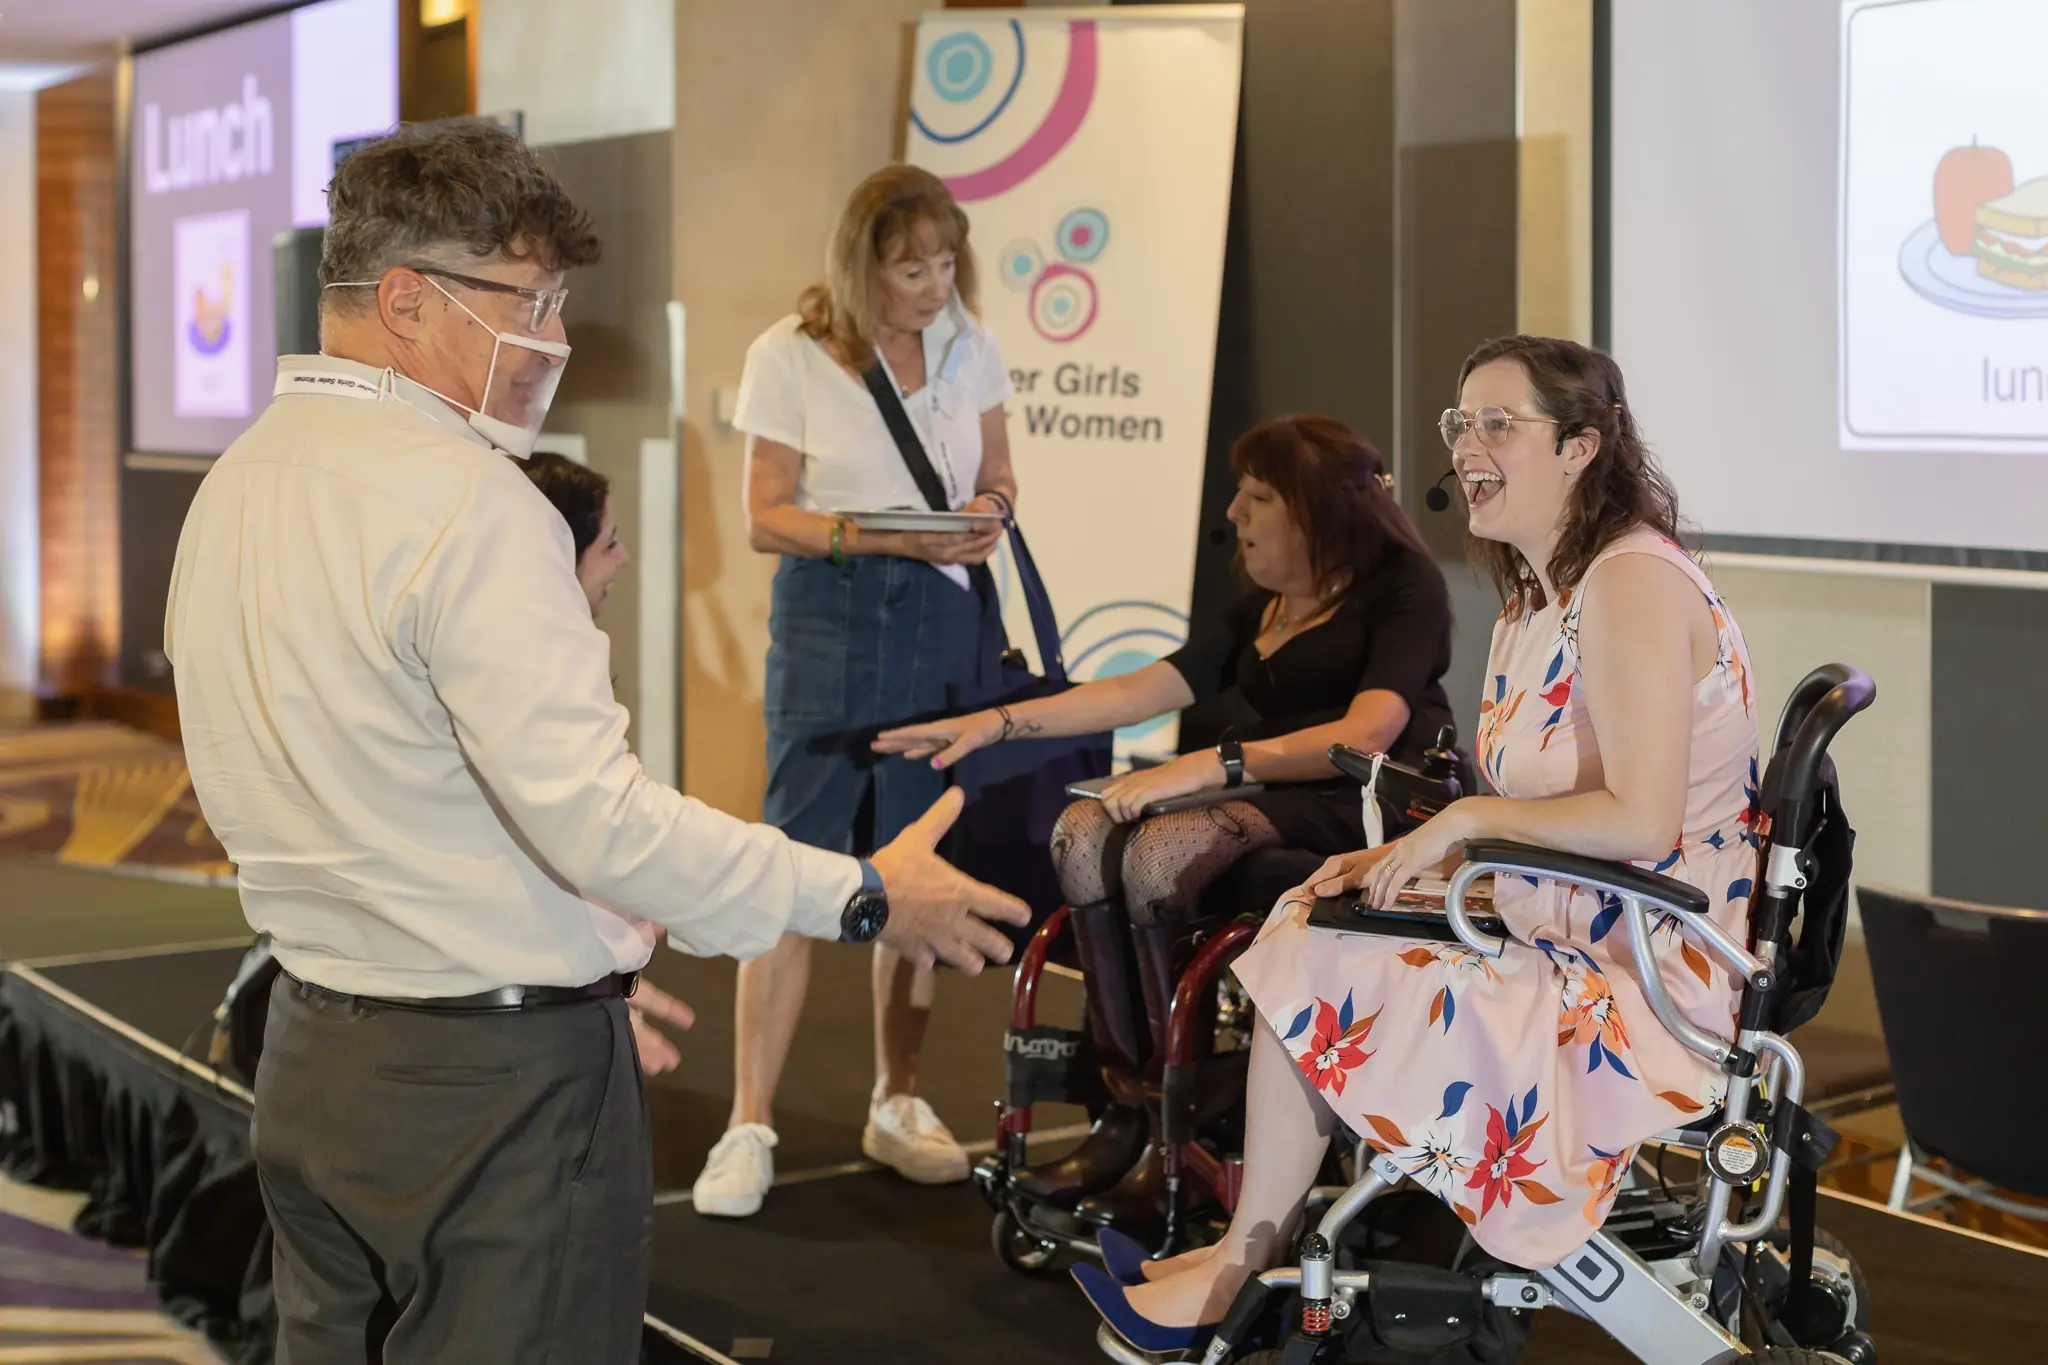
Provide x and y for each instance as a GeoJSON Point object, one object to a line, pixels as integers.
{"type": "Point", "coordinates": [1092, 151]}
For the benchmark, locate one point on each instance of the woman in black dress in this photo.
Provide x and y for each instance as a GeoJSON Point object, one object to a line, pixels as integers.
{"type": "Point", "coordinates": [1343, 636]}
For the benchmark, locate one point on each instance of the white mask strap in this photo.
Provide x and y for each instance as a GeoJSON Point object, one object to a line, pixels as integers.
{"type": "Point", "coordinates": [1375, 827]}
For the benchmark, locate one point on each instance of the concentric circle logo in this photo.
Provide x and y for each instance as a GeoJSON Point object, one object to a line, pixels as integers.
{"type": "Point", "coordinates": [1019, 265]}
{"type": "Point", "coordinates": [968, 86]}
{"type": "Point", "coordinates": [1082, 234]}
{"type": "Point", "coordinates": [959, 66]}
{"type": "Point", "coordinates": [1063, 302]}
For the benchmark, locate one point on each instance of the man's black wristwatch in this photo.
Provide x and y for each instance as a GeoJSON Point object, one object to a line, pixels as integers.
{"type": "Point", "coordinates": [867, 912]}
{"type": "Point", "coordinates": [1231, 754]}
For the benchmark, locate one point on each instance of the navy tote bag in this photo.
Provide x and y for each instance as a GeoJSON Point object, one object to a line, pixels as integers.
{"type": "Point", "coordinates": [1016, 790]}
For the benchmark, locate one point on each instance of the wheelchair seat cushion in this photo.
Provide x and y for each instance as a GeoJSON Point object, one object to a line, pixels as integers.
{"type": "Point", "coordinates": [1517, 1088]}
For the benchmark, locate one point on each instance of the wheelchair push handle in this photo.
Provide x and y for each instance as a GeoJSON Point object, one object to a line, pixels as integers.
{"type": "Point", "coordinates": [1821, 705]}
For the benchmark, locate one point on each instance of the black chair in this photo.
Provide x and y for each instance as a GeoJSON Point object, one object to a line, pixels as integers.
{"type": "Point", "coordinates": [1965, 1016]}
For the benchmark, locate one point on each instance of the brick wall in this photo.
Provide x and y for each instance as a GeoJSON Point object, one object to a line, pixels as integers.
{"type": "Point", "coordinates": [77, 383]}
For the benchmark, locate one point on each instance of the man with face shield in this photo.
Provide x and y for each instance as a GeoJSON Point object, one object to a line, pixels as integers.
{"type": "Point", "coordinates": [399, 718]}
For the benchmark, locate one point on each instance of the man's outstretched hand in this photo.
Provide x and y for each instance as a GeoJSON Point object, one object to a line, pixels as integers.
{"type": "Point", "coordinates": [935, 910]}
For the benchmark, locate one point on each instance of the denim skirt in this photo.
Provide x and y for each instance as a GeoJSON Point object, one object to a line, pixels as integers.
{"type": "Point", "coordinates": [855, 648]}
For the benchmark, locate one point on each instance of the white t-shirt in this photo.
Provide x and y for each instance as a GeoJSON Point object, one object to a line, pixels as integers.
{"type": "Point", "coordinates": [794, 393]}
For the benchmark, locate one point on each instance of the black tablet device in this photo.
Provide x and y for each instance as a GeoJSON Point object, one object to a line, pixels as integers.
{"type": "Point", "coordinates": [1415, 915]}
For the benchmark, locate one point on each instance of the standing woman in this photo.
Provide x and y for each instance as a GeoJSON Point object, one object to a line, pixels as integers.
{"type": "Point", "coordinates": [865, 628]}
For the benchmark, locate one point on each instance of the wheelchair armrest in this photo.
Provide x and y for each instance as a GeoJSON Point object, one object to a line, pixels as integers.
{"type": "Point", "coordinates": [1667, 892]}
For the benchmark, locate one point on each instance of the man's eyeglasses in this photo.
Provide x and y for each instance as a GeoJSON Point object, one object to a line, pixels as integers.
{"type": "Point", "coordinates": [547, 303]}
{"type": "Point", "coordinates": [1492, 424]}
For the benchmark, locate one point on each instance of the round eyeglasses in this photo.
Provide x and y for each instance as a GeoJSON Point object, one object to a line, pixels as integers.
{"type": "Point", "coordinates": [1492, 424]}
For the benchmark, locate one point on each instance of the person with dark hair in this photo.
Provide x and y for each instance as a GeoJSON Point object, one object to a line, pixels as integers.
{"type": "Point", "coordinates": [398, 717]}
{"type": "Point", "coordinates": [1618, 722]}
{"type": "Point", "coordinates": [865, 627]}
{"type": "Point", "coordinates": [584, 498]}
{"type": "Point", "coordinates": [1342, 636]}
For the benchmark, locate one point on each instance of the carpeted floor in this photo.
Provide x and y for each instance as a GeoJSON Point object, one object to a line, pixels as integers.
{"type": "Point", "coordinates": [96, 794]}
{"type": "Point", "coordinates": [66, 1298]}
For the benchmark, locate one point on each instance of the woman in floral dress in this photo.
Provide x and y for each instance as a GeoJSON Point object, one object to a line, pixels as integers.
{"type": "Point", "coordinates": [1617, 722]}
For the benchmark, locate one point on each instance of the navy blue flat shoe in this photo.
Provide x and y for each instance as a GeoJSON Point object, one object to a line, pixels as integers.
{"type": "Point", "coordinates": [1141, 1333]}
{"type": "Point", "coordinates": [1124, 1257]}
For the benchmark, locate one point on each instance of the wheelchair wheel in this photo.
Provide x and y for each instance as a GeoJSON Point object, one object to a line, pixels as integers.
{"type": "Point", "coordinates": [1835, 1274]}
{"type": "Point", "coordinates": [1829, 1252]}
{"type": "Point", "coordinates": [1019, 1248]}
{"type": "Point", "coordinates": [1793, 1355]}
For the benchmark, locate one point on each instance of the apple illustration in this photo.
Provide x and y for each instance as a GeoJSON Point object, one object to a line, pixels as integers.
{"type": "Point", "coordinates": [1966, 177]}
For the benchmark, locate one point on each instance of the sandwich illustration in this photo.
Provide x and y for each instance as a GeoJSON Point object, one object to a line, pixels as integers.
{"type": "Point", "coordinates": [2011, 243]}
{"type": "Point", "coordinates": [1985, 250]}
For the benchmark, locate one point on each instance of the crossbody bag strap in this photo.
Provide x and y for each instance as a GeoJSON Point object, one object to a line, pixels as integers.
{"type": "Point", "coordinates": [907, 445]}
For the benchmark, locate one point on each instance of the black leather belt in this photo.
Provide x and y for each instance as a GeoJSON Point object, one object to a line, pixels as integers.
{"type": "Point", "coordinates": [505, 998]}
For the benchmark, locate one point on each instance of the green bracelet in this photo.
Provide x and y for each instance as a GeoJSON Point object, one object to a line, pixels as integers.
{"type": "Point", "coordinates": [838, 546]}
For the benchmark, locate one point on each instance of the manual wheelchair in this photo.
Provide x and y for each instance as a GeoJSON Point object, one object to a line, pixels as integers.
{"type": "Point", "coordinates": [1194, 1091]}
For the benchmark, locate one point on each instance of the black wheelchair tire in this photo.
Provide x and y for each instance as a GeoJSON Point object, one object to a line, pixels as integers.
{"type": "Point", "coordinates": [1017, 1247]}
{"type": "Point", "coordinates": [1793, 1355]}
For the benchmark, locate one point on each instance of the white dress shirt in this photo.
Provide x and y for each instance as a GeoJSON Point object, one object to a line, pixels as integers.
{"type": "Point", "coordinates": [399, 718]}
{"type": "Point", "coordinates": [794, 393]}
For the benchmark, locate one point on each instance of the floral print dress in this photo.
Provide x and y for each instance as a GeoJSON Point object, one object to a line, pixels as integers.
{"type": "Point", "coordinates": [1517, 1088]}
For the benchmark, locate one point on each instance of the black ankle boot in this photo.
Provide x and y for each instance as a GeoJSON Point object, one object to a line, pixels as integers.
{"type": "Point", "coordinates": [1135, 1205]}
{"type": "Point", "coordinates": [1112, 1146]}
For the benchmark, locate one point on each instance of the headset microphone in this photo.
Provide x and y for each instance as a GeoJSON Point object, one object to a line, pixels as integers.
{"type": "Point", "coordinates": [1436, 499]}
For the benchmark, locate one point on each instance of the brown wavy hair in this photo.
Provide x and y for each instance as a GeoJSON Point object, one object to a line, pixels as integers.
{"type": "Point", "coordinates": [883, 222]}
{"type": "Point", "coordinates": [444, 193]}
{"type": "Point", "coordinates": [1622, 488]}
{"type": "Point", "coordinates": [1335, 485]}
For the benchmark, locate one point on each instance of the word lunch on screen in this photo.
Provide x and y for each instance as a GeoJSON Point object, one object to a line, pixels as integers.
{"type": "Point", "coordinates": [234, 139]}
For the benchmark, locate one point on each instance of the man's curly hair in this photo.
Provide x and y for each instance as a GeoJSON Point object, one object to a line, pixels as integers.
{"type": "Point", "coordinates": [435, 193]}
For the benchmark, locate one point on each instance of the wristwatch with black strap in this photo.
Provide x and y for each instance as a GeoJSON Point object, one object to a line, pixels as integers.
{"type": "Point", "coordinates": [867, 910]}
{"type": "Point", "coordinates": [1230, 753]}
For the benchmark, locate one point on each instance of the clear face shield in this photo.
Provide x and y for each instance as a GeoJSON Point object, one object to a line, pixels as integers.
{"type": "Point", "coordinates": [524, 371]}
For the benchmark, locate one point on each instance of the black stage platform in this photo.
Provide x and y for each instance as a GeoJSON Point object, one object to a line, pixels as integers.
{"type": "Point", "coordinates": [845, 1266]}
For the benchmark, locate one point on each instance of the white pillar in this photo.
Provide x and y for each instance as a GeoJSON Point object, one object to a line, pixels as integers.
{"type": "Point", "coordinates": [20, 537]}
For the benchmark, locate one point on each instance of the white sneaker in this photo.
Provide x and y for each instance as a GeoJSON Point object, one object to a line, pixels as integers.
{"type": "Point", "coordinates": [906, 1136]}
{"type": "Point", "coordinates": [737, 1174]}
